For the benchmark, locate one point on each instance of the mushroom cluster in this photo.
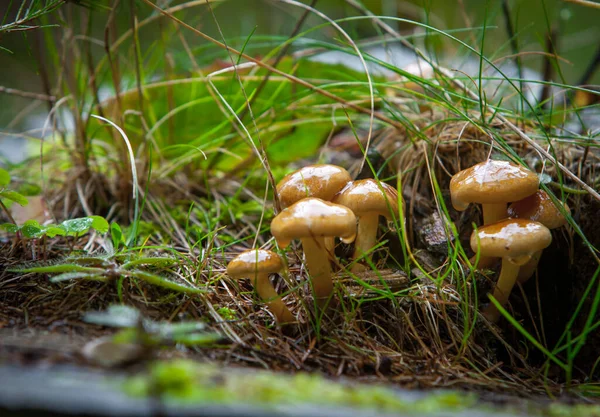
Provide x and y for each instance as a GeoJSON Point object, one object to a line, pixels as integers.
{"type": "Point", "coordinates": [320, 203]}
{"type": "Point", "coordinates": [516, 234]}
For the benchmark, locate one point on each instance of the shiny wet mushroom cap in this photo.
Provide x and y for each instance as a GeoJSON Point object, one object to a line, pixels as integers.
{"type": "Point", "coordinates": [368, 199]}
{"type": "Point", "coordinates": [540, 208]}
{"type": "Point", "coordinates": [512, 238]}
{"type": "Point", "coordinates": [312, 220]}
{"type": "Point", "coordinates": [320, 181]}
{"type": "Point", "coordinates": [492, 184]}
{"type": "Point", "coordinates": [257, 264]}
{"type": "Point", "coordinates": [515, 241]}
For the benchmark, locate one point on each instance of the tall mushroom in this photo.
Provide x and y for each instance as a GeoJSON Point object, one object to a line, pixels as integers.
{"type": "Point", "coordinates": [257, 264]}
{"type": "Point", "coordinates": [515, 241]}
{"type": "Point", "coordinates": [492, 184]}
{"type": "Point", "coordinates": [368, 199]}
{"type": "Point", "coordinates": [540, 208]}
{"type": "Point", "coordinates": [312, 220]}
{"type": "Point", "coordinates": [320, 181]}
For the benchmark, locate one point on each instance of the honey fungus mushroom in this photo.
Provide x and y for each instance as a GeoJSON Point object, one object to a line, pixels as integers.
{"type": "Point", "coordinates": [368, 199]}
{"type": "Point", "coordinates": [312, 220]}
{"type": "Point", "coordinates": [257, 264]}
{"type": "Point", "coordinates": [538, 207]}
{"type": "Point", "coordinates": [493, 184]}
{"type": "Point", "coordinates": [320, 181]}
{"type": "Point", "coordinates": [515, 241]}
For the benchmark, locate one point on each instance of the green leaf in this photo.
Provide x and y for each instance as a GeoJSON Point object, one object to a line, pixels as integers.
{"type": "Point", "coordinates": [198, 339]}
{"type": "Point", "coordinates": [165, 283]}
{"type": "Point", "coordinates": [4, 177]}
{"type": "Point", "coordinates": [77, 226]}
{"type": "Point", "coordinates": [10, 227]}
{"type": "Point", "coordinates": [116, 235]}
{"type": "Point", "coordinates": [32, 229]}
{"type": "Point", "coordinates": [53, 230]}
{"type": "Point", "coordinates": [14, 196]}
{"type": "Point", "coordinates": [60, 268]}
{"type": "Point", "coordinates": [154, 261]}
{"type": "Point", "coordinates": [99, 224]}
{"type": "Point", "coordinates": [67, 276]}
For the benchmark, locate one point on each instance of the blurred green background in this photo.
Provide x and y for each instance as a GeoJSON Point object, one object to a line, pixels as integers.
{"type": "Point", "coordinates": [577, 41]}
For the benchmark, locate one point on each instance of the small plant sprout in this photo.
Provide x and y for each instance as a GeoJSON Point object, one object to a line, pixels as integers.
{"type": "Point", "coordinates": [8, 194]}
{"type": "Point", "coordinates": [257, 264]}
{"type": "Point", "coordinates": [320, 181]}
{"type": "Point", "coordinates": [493, 184]}
{"type": "Point", "coordinates": [515, 241]}
{"type": "Point", "coordinates": [312, 220]}
{"type": "Point", "coordinates": [368, 199]}
{"type": "Point", "coordinates": [540, 208]}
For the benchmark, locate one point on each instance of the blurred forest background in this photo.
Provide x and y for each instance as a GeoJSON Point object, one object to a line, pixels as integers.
{"type": "Point", "coordinates": [575, 35]}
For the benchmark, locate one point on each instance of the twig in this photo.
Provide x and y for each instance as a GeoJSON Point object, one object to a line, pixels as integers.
{"type": "Point", "coordinates": [585, 3]}
{"type": "Point", "coordinates": [548, 69]}
{"type": "Point", "coordinates": [26, 94]}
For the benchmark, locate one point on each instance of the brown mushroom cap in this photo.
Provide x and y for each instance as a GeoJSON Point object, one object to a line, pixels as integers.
{"type": "Point", "coordinates": [253, 261]}
{"type": "Point", "coordinates": [369, 196]}
{"type": "Point", "coordinates": [512, 238]}
{"type": "Point", "coordinates": [492, 182]}
{"type": "Point", "coordinates": [313, 217]}
{"type": "Point", "coordinates": [540, 208]}
{"type": "Point", "coordinates": [321, 181]}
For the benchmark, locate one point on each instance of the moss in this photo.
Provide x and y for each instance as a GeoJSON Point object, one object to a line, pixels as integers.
{"type": "Point", "coordinates": [578, 410]}
{"type": "Point", "coordinates": [190, 382]}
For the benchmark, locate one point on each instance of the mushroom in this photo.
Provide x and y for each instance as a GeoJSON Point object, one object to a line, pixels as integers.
{"type": "Point", "coordinates": [515, 241]}
{"type": "Point", "coordinates": [320, 180]}
{"type": "Point", "coordinates": [368, 199]}
{"type": "Point", "coordinates": [540, 208]}
{"type": "Point", "coordinates": [492, 184]}
{"type": "Point", "coordinates": [312, 220]}
{"type": "Point", "coordinates": [257, 264]}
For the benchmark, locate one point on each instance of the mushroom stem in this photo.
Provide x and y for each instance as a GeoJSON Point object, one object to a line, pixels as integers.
{"type": "Point", "coordinates": [330, 246]}
{"type": "Point", "coordinates": [267, 293]}
{"type": "Point", "coordinates": [366, 238]}
{"type": "Point", "coordinates": [493, 213]}
{"type": "Point", "coordinates": [317, 262]}
{"type": "Point", "coordinates": [506, 282]}
{"type": "Point", "coordinates": [527, 270]}
{"type": "Point", "coordinates": [484, 261]}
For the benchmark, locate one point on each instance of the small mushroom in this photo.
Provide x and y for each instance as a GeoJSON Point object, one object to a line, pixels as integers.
{"type": "Point", "coordinates": [257, 264]}
{"type": "Point", "coordinates": [492, 184]}
{"type": "Point", "coordinates": [312, 220]}
{"type": "Point", "coordinates": [540, 208]}
{"type": "Point", "coordinates": [320, 181]}
{"type": "Point", "coordinates": [515, 241]}
{"type": "Point", "coordinates": [368, 199]}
